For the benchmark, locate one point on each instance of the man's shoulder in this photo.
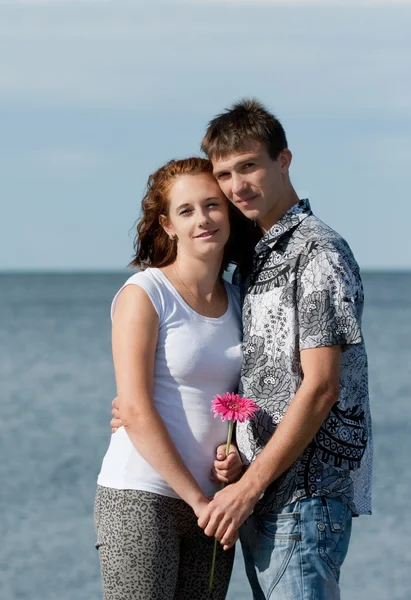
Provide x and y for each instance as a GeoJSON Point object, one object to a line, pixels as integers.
{"type": "Point", "coordinates": [315, 236]}
{"type": "Point", "coordinates": [314, 229]}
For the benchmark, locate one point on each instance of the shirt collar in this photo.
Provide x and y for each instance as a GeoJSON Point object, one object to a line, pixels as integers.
{"type": "Point", "coordinates": [290, 219]}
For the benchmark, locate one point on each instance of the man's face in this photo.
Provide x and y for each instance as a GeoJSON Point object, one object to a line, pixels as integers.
{"type": "Point", "coordinates": [255, 183]}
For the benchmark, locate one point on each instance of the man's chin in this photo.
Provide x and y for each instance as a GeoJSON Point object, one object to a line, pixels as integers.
{"type": "Point", "coordinates": [250, 213]}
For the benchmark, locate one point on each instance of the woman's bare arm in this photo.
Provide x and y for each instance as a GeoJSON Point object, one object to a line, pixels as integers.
{"type": "Point", "coordinates": [134, 339]}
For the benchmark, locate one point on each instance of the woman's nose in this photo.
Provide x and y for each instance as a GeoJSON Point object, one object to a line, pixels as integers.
{"type": "Point", "coordinates": [203, 218]}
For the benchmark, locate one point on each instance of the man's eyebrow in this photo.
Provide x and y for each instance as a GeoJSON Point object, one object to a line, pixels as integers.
{"type": "Point", "coordinates": [246, 160]}
{"type": "Point", "coordinates": [237, 164]}
{"type": "Point", "coordinates": [219, 171]}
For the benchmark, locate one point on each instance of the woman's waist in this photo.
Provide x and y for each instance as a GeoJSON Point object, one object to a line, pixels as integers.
{"type": "Point", "coordinates": [123, 466]}
{"type": "Point", "coordinates": [196, 445]}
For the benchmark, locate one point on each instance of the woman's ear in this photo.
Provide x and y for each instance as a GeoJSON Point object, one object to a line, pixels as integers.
{"type": "Point", "coordinates": [166, 225]}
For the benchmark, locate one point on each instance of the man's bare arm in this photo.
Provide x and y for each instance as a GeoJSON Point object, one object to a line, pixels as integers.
{"type": "Point", "coordinates": [116, 421]}
{"type": "Point", "coordinates": [305, 415]}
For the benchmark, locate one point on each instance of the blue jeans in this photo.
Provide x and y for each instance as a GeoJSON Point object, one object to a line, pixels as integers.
{"type": "Point", "coordinates": [296, 552]}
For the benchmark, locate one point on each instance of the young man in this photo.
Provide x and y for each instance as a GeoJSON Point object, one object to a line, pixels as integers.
{"type": "Point", "coordinates": [309, 448]}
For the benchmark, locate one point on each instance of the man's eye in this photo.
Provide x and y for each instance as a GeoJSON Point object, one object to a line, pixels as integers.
{"type": "Point", "coordinates": [222, 176]}
{"type": "Point", "coordinates": [248, 165]}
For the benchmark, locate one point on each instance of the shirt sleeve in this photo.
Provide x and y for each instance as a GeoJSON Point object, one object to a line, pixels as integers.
{"type": "Point", "coordinates": [329, 300]}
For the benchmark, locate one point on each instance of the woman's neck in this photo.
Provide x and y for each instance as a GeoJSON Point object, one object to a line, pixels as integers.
{"type": "Point", "coordinates": [201, 277]}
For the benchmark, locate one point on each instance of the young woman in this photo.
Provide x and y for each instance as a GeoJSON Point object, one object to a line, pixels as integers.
{"type": "Point", "coordinates": [176, 344]}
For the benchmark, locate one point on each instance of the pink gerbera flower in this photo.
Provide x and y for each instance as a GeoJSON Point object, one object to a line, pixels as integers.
{"type": "Point", "coordinates": [233, 407]}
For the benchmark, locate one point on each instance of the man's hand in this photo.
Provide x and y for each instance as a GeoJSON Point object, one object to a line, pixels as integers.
{"type": "Point", "coordinates": [227, 511]}
{"type": "Point", "coordinates": [227, 469]}
{"type": "Point", "coordinates": [115, 422]}
{"type": "Point", "coordinates": [199, 512]}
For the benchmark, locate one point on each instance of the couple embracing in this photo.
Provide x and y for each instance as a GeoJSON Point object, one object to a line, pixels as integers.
{"type": "Point", "coordinates": [286, 333]}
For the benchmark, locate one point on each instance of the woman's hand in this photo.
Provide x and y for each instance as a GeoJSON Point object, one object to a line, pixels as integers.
{"type": "Point", "coordinates": [200, 504]}
{"type": "Point", "coordinates": [227, 469]}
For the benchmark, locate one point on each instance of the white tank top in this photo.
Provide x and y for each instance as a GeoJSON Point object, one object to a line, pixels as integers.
{"type": "Point", "coordinates": [196, 358]}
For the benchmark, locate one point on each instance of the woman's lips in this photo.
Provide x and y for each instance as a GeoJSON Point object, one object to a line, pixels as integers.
{"type": "Point", "coordinates": [207, 234]}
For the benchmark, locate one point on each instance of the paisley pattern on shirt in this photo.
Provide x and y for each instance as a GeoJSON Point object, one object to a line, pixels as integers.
{"type": "Point", "coordinates": [305, 291]}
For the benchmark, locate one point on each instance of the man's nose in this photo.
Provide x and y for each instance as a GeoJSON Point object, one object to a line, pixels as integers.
{"type": "Point", "coordinates": [237, 183]}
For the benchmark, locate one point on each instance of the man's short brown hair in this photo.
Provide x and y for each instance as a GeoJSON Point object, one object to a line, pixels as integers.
{"type": "Point", "coordinates": [247, 120]}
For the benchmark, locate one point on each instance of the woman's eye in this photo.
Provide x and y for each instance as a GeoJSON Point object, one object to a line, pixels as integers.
{"type": "Point", "coordinates": [186, 211]}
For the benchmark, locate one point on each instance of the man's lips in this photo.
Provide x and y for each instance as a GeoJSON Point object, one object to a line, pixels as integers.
{"type": "Point", "coordinates": [207, 234]}
{"type": "Point", "coordinates": [247, 200]}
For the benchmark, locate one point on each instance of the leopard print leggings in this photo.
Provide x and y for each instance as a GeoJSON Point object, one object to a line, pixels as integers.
{"type": "Point", "coordinates": [151, 548]}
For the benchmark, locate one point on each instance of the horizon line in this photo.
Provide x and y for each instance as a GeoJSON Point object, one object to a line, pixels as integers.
{"type": "Point", "coordinates": [119, 271]}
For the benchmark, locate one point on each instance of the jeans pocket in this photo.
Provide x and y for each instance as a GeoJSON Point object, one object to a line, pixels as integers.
{"type": "Point", "coordinates": [334, 533]}
{"type": "Point", "coordinates": [277, 536]}
{"type": "Point", "coordinates": [280, 526]}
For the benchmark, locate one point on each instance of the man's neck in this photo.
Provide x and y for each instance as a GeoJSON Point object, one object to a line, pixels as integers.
{"type": "Point", "coordinates": [272, 217]}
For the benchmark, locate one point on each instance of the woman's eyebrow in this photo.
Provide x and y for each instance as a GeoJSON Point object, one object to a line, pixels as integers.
{"type": "Point", "coordinates": [182, 206]}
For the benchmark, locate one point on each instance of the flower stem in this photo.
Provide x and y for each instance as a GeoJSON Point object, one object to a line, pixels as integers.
{"type": "Point", "coordinates": [229, 437]}
{"type": "Point", "coordinates": [227, 452]}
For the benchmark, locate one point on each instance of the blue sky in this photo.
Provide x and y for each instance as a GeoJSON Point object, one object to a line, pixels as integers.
{"type": "Point", "coordinates": [95, 95]}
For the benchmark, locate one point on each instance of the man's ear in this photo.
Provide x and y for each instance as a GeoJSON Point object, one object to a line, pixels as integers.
{"type": "Point", "coordinates": [166, 225]}
{"type": "Point", "coordinates": [285, 159]}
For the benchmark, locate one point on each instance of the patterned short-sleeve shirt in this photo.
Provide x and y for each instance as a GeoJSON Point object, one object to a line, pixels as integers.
{"type": "Point", "coordinates": [305, 291]}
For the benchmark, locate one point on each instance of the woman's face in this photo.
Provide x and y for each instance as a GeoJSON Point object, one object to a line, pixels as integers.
{"type": "Point", "coordinates": [198, 216]}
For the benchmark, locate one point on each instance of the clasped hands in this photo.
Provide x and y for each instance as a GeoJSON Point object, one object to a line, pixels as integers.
{"type": "Point", "coordinates": [223, 515]}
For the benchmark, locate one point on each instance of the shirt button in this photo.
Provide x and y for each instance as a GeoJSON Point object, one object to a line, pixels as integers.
{"type": "Point", "coordinates": [321, 526]}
